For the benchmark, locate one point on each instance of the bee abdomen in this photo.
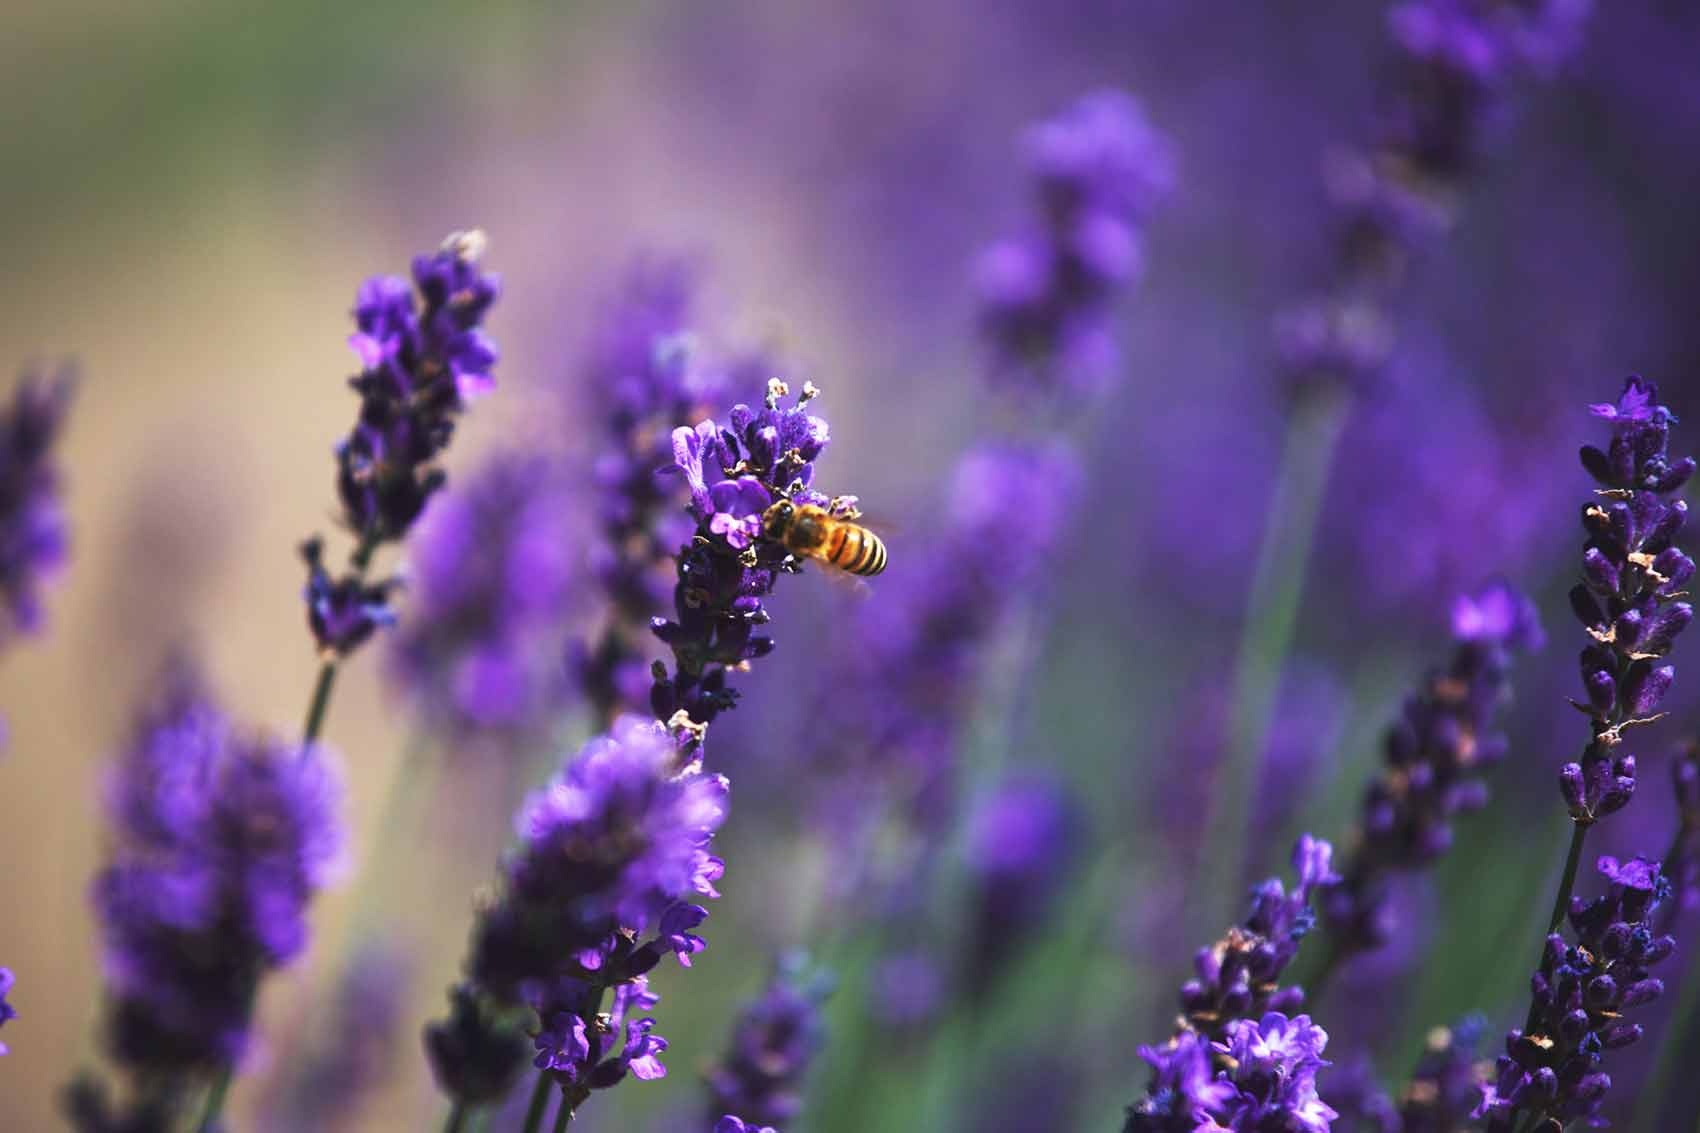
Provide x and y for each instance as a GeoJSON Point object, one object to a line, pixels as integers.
{"type": "Point", "coordinates": [866, 552]}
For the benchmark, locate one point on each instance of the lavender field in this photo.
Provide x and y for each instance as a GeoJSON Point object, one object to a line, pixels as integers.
{"type": "Point", "coordinates": [769, 567]}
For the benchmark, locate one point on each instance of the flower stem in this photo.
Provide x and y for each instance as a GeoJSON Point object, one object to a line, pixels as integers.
{"type": "Point", "coordinates": [1561, 901]}
{"type": "Point", "coordinates": [564, 1116]}
{"type": "Point", "coordinates": [316, 711]}
{"type": "Point", "coordinates": [1301, 483]}
{"type": "Point", "coordinates": [457, 1119]}
{"type": "Point", "coordinates": [539, 1103]}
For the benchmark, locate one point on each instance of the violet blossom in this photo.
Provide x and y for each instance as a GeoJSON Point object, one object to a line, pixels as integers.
{"type": "Point", "coordinates": [1262, 1076]}
{"type": "Point", "coordinates": [774, 1040]}
{"type": "Point", "coordinates": [33, 536]}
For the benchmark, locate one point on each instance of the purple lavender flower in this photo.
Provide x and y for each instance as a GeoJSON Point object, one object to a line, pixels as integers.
{"type": "Point", "coordinates": [1435, 755]}
{"type": "Point", "coordinates": [760, 456]}
{"type": "Point", "coordinates": [7, 1011]}
{"type": "Point", "coordinates": [220, 842]}
{"type": "Point", "coordinates": [1239, 976]}
{"type": "Point", "coordinates": [1266, 1080]}
{"type": "Point", "coordinates": [476, 1056]}
{"type": "Point", "coordinates": [491, 579]}
{"type": "Point", "coordinates": [424, 356]}
{"type": "Point", "coordinates": [1360, 1104]}
{"type": "Point", "coordinates": [1633, 576]}
{"type": "Point", "coordinates": [730, 1124]}
{"type": "Point", "coordinates": [1448, 1081]}
{"type": "Point", "coordinates": [1046, 295]}
{"type": "Point", "coordinates": [32, 520]}
{"type": "Point", "coordinates": [1022, 844]}
{"type": "Point", "coordinates": [652, 378]}
{"type": "Point", "coordinates": [774, 1040]}
{"type": "Point", "coordinates": [613, 853]}
{"type": "Point", "coordinates": [1551, 1069]}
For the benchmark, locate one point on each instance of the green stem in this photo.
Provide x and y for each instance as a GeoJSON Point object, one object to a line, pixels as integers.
{"type": "Point", "coordinates": [539, 1103]}
{"type": "Point", "coordinates": [1301, 483]}
{"type": "Point", "coordinates": [457, 1119]}
{"type": "Point", "coordinates": [316, 710]}
{"type": "Point", "coordinates": [1561, 901]}
{"type": "Point", "coordinates": [564, 1115]}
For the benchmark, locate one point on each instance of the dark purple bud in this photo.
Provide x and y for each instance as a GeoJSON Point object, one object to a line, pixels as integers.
{"type": "Point", "coordinates": [1597, 465]}
{"type": "Point", "coordinates": [1675, 476]}
{"type": "Point", "coordinates": [1543, 1085]}
{"type": "Point", "coordinates": [1288, 1000]}
{"type": "Point", "coordinates": [1585, 607]}
{"type": "Point", "coordinates": [1665, 627]}
{"type": "Point", "coordinates": [1620, 521]}
{"type": "Point", "coordinates": [1619, 1034]}
{"type": "Point", "coordinates": [1602, 691]}
{"type": "Point", "coordinates": [1621, 458]}
{"type": "Point", "coordinates": [1676, 568]}
{"type": "Point", "coordinates": [1615, 941]}
{"type": "Point", "coordinates": [1626, 631]}
{"type": "Point", "coordinates": [1601, 992]}
{"type": "Point", "coordinates": [1668, 527]}
{"type": "Point", "coordinates": [1643, 991]}
{"type": "Point", "coordinates": [1659, 949]}
{"type": "Point", "coordinates": [1471, 795]}
{"type": "Point", "coordinates": [1592, 1087]}
{"type": "Point", "coordinates": [1573, 1027]}
{"type": "Point", "coordinates": [1647, 687]}
{"type": "Point", "coordinates": [1599, 572]}
{"type": "Point", "coordinates": [1574, 788]}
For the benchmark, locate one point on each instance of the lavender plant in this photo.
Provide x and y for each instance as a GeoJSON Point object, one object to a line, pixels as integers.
{"type": "Point", "coordinates": [1435, 755]}
{"type": "Point", "coordinates": [1629, 602]}
{"type": "Point", "coordinates": [1047, 295]}
{"type": "Point", "coordinates": [33, 537]}
{"type": "Point", "coordinates": [1237, 1060]}
{"type": "Point", "coordinates": [7, 1011]}
{"type": "Point", "coordinates": [615, 851]}
{"type": "Point", "coordinates": [775, 1038]}
{"type": "Point", "coordinates": [219, 842]}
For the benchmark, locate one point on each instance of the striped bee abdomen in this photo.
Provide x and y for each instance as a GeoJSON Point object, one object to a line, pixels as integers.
{"type": "Point", "coordinates": [856, 549]}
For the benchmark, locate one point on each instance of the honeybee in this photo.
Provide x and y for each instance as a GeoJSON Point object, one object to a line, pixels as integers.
{"type": "Point", "coordinates": [813, 532]}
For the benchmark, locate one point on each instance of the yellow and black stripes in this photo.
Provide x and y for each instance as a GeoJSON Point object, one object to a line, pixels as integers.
{"type": "Point", "coordinates": [854, 548]}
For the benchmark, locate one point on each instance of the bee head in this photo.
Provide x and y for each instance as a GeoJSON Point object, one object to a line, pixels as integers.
{"type": "Point", "coordinates": [777, 518]}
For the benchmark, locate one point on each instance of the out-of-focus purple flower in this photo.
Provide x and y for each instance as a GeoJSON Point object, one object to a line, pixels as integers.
{"type": "Point", "coordinates": [1629, 599]}
{"type": "Point", "coordinates": [907, 989]}
{"type": "Point", "coordinates": [1551, 1070]}
{"type": "Point", "coordinates": [774, 1040]}
{"type": "Point", "coordinates": [491, 581]}
{"type": "Point", "coordinates": [730, 1124]}
{"type": "Point", "coordinates": [1682, 861]}
{"type": "Point", "coordinates": [1022, 843]}
{"type": "Point", "coordinates": [1239, 976]}
{"type": "Point", "coordinates": [1267, 1080]}
{"type": "Point", "coordinates": [759, 457]}
{"type": "Point", "coordinates": [220, 841]}
{"type": "Point", "coordinates": [651, 377]}
{"type": "Point", "coordinates": [1455, 62]}
{"type": "Point", "coordinates": [355, 1053]}
{"type": "Point", "coordinates": [475, 1057]}
{"type": "Point", "coordinates": [33, 538]}
{"type": "Point", "coordinates": [1360, 1104]}
{"type": "Point", "coordinates": [7, 1011]}
{"type": "Point", "coordinates": [1046, 295]}
{"type": "Point", "coordinates": [1448, 1081]}
{"type": "Point", "coordinates": [1435, 754]}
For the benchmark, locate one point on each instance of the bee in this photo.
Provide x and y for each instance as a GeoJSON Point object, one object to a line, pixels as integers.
{"type": "Point", "coordinates": [813, 532]}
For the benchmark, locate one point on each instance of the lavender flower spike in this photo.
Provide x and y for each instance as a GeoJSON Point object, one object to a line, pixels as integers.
{"type": "Point", "coordinates": [424, 356]}
{"type": "Point", "coordinates": [1435, 755]}
{"type": "Point", "coordinates": [1046, 296]}
{"type": "Point", "coordinates": [774, 1040]}
{"type": "Point", "coordinates": [1238, 1061]}
{"type": "Point", "coordinates": [7, 1011]}
{"type": "Point", "coordinates": [1551, 1069]}
{"type": "Point", "coordinates": [1629, 599]}
{"type": "Point", "coordinates": [32, 520]}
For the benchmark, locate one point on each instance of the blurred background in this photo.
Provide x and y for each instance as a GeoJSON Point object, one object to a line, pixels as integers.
{"type": "Point", "coordinates": [192, 191]}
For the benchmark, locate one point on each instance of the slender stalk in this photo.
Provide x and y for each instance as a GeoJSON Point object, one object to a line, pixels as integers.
{"type": "Point", "coordinates": [1301, 482]}
{"type": "Point", "coordinates": [1561, 900]}
{"type": "Point", "coordinates": [564, 1116]}
{"type": "Point", "coordinates": [539, 1103]}
{"type": "Point", "coordinates": [456, 1122]}
{"type": "Point", "coordinates": [317, 708]}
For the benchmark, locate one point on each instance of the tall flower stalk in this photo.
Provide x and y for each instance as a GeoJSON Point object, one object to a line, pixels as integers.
{"type": "Point", "coordinates": [614, 853]}
{"type": "Point", "coordinates": [424, 357]}
{"type": "Point", "coordinates": [1453, 67]}
{"type": "Point", "coordinates": [1629, 603]}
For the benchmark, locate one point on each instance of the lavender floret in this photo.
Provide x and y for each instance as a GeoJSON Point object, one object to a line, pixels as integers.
{"type": "Point", "coordinates": [1262, 1076]}
{"type": "Point", "coordinates": [7, 1011]}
